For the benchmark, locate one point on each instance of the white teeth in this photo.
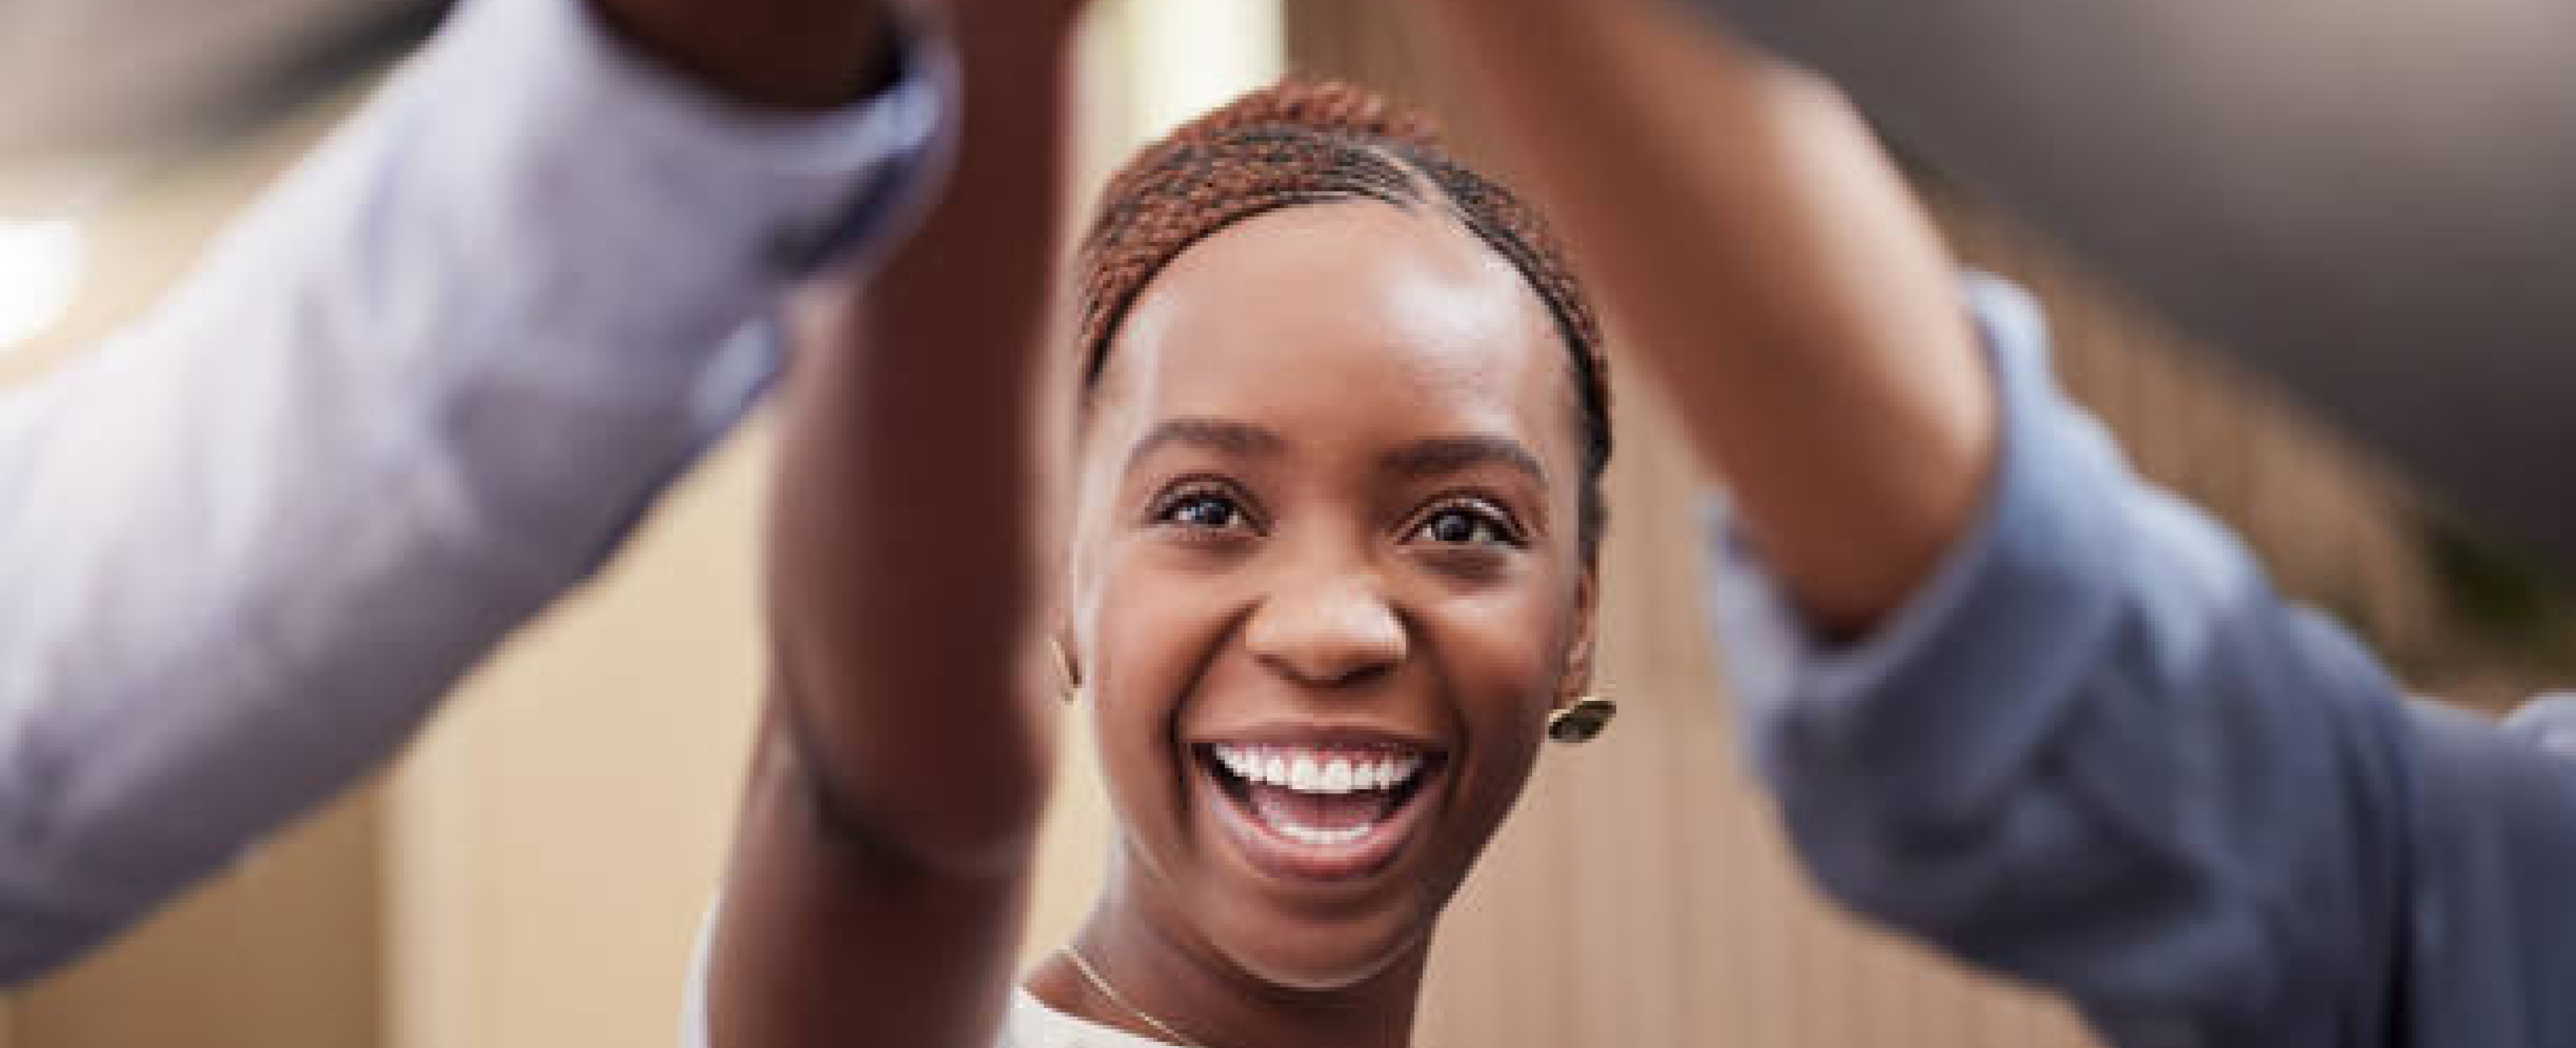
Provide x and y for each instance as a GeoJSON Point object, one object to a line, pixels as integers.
{"type": "Point", "coordinates": [1311, 772]}
{"type": "Point", "coordinates": [1337, 777]}
{"type": "Point", "coordinates": [1304, 776]}
{"type": "Point", "coordinates": [1312, 837]}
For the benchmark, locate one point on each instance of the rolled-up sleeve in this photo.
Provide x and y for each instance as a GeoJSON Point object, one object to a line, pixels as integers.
{"type": "Point", "coordinates": [2094, 749]}
{"type": "Point", "coordinates": [422, 389]}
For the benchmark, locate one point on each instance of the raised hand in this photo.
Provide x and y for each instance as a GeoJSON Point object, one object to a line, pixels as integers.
{"type": "Point", "coordinates": [792, 54]}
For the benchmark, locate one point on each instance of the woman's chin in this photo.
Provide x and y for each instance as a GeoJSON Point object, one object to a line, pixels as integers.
{"type": "Point", "coordinates": [1316, 960]}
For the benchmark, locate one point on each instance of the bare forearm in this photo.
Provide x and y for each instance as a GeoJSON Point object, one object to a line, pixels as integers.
{"type": "Point", "coordinates": [903, 549]}
{"type": "Point", "coordinates": [1756, 247]}
{"type": "Point", "coordinates": [822, 941]}
{"type": "Point", "coordinates": [880, 869]}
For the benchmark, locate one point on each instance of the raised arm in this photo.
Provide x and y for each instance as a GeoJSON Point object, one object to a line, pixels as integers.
{"type": "Point", "coordinates": [2361, 200]}
{"type": "Point", "coordinates": [875, 893]}
{"type": "Point", "coordinates": [1762, 255]}
{"type": "Point", "coordinates": [420, 391]}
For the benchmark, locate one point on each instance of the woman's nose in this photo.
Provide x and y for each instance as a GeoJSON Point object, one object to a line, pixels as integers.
{"type": "Point", "coordinates": [1333, 632]}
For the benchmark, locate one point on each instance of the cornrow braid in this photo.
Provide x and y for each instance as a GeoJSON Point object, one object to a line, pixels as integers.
{"type": "Point", "coordinates": [1307, 142]}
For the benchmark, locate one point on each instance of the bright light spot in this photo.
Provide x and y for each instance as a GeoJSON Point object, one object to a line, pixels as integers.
{"type": "Point", "coordinates": [40, 267]}
{"type": "Point", "coordinates": [1194, 55]}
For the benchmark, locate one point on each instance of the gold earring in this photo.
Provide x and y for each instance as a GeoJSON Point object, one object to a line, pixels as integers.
{"type": "Point", "coordinates": [1068, 678]}
{"type": "Point", "coordinates": [1581, 720]}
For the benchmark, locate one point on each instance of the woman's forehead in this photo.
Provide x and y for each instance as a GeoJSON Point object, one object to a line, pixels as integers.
{"type": "Point", "coordinates": [1343, 314]}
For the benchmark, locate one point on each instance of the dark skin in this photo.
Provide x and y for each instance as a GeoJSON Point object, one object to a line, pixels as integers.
{"type": "Point", "coordinates": [1294, 580]}
{"type": "Point", "coordinates": [876, 886]}
{"type": "Point", "coordinates": [1399, 554]}
{"type": "Point", "coordinates": [876, 895]}
{"type": "Point", "coordinates": [781, 54]}
{"type": "Point", "coordinates": [1299, 582]}
{"type": "Point", "coordinates": [1765, 259]}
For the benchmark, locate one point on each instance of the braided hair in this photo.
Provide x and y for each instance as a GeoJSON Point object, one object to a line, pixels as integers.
{"type": "Point", "coordinates": [1309, 142]}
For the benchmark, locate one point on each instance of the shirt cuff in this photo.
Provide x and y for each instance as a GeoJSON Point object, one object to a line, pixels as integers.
{"type": "Point", "coordinates": [611, 239]}
{"type": "Point", "coordinates": [549, 67]}
{"type": "Point", "coordinates": [2548, 721]}
{"type": "Point", "coordinates": [1945, 699]}
{"type": "Point", "coordinates": [561, 49]}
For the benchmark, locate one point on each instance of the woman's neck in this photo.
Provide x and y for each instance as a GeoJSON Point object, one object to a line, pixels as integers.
{"type": "Point", "coordinates": [1146, 977]}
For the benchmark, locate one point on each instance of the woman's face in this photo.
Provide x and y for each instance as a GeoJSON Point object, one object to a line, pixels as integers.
{"type": "Point", "coordinates": [1327, 580]}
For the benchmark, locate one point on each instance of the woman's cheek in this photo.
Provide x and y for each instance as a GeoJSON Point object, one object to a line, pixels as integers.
{"type": "Point", "coordinates": [1510, 642]}
{"type": "Point", "coordinates": [1151, 628]}
{"type": "Point", "coordinates": [1509, 661]}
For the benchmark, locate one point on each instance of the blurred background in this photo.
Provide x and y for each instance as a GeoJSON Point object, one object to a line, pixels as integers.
{"type": "Point", "coordinates": [532, 873]}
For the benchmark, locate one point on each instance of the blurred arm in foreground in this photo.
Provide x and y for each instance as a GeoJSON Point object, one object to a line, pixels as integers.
{"type": "Point", "coordinates": [2015, 700]}
{"type": "Point", "coordinates": [882, 861]}
{"type": "Point", "coordinates": [423, 389]}
{"type": "Point", "coordinates": [2363, 199]}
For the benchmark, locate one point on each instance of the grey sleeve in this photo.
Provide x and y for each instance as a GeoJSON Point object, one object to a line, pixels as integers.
{"type": "Point", "coordinates": [2492, 936]}
{"type": "Point", "coordinates": [2096, 751]}
{"type": "Point", "coordinates": [423, 389]}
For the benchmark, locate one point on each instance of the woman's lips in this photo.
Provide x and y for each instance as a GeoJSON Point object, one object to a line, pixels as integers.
{"type": "Point", "coordinates": [1318, 811]}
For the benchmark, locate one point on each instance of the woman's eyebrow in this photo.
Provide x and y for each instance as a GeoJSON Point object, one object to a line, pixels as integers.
{"type": "Point", "coordinates": [1441, 456]}
{"type": "Point", "coordinates": [1239, 439]}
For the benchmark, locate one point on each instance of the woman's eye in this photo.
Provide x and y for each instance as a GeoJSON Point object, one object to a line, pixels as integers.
{"type": "Point", "coordinates": [1204, 512]}
{"type": "Point", "coordinates": [1459, 526]}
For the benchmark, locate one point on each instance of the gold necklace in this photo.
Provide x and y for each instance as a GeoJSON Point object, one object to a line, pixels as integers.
{"type": "Point", "coordinates": [1092, 975]}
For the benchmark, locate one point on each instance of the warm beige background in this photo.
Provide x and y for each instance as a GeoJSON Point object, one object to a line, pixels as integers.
{"type": "Point", "coordinates": [532, 872]}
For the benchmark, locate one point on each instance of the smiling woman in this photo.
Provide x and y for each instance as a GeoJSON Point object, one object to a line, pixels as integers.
{"type": "Point", "coordinates": [1330, 575]}
{"type": "Point", "coordinates": [1333, 560]}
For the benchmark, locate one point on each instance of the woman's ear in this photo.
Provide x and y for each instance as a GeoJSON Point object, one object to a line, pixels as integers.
{"type": "Point", "coordinates": [1579, 646]}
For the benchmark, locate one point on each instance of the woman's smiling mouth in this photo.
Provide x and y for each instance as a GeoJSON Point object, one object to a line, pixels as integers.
{"type": "Point", "coordinates": [1318, 810]}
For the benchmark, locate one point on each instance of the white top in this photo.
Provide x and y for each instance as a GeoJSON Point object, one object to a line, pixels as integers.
{"type": "Point", "coordinates": [420, 391]}
{"type": "Point", "coordinates": [1028, 1024]}
{"type": "Point", "coordinates": [1031, 1024]}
